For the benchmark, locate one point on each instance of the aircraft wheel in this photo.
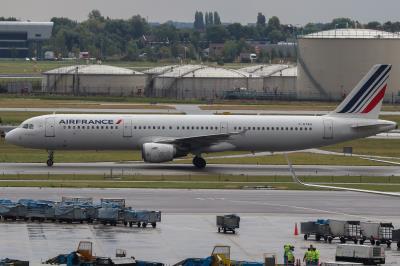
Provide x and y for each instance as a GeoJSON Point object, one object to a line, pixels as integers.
{"type": "Point", "coordinates": [50, 163]}
{"type": "Point", "coordinates": [199, 162]}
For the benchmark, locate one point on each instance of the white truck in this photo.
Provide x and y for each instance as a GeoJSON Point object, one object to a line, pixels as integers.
{"type": "Point", "coordinates": [369, 255]}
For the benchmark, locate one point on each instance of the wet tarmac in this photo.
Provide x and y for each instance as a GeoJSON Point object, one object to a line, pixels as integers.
{"type": "Point", "coordinates": [188, 223]}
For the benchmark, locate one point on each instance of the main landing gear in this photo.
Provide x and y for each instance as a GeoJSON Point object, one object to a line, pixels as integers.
{"type": "Point", "coordinates": [199, 162]}
{"type": "Point", "coordinates": [50, 160]}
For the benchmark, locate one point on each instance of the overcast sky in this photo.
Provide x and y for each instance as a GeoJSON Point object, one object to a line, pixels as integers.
{"type": "Point", "coordinates": [243, 11]}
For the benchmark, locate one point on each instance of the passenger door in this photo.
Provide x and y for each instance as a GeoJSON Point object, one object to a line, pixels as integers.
{"type": "Point", "coordinates": [328, 129]}
{"type": "Point", "coordinates": [127, 128]}
{"type": "Point", "coordinates": [50, 127]}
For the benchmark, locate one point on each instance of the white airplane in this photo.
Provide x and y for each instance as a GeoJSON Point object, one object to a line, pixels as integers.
{"type": "Point", "coordinates": [165, 137]}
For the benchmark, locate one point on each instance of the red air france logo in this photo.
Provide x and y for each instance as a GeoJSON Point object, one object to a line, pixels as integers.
{"type": "Point", "coordinates": [119, 121]}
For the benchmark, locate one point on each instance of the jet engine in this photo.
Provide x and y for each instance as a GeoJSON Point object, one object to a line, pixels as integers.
{"type": "Point", "coordinates": [158, 152]}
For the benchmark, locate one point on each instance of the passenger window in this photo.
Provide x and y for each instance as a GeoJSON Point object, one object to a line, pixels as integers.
{"type": "Point", "coordinates": [267, 128]}
{"type": "Point", "coordinates": [106, 127]}
{"type": "Point", "coordinates": [234, 128]}
{"type": "Point", "coordinates": [30, 126]}
{"type": "Point", "coordinates": [65, 127]}
{"type": "Point", "coordinates": [116, 127]}
{"type": "Point", "coordinates": [287, 128]}
{"type": "Point", "coordinates": [211, 128]}
{"type": "Point", "coordinates": [170, 127]}
{"type": "Point", "coordinates": [111, 127]}
{"type": "Point", "coordinates": [177, 127]}
{"type": "Point", "coordinates": [92, 127]}
{"type": "Point", "coordinates": [73, 127]}
{"type": "Point", "coordinates": [301, 128]}
{"type": "Point", "coordinates": [263, 128]}
{"type": "Point", "coordinates": [305, 129]}
{"type": "Point", "coordinates": [240, 128]}
{"type": "Point", "coordinates": [192, 128]}
{"type": "Point", "coordinates": [310, 128]}
{"type": "Point", "coordinates": [206, 128]}
{"type": "Point", "coordinates": [140, 127]}
{"type": "Point", "coordinates": [296, 128]}
{"type": "Point", "coordinates": [158, 127]}
{"type": "Point", "coordinates": [78, 127]}
{"type": "Point", "coordinates": [25, 126]}
{"type": "Point", "coordinates": [69, 127]}
{"type": "Point", "coordinates": [163, 127]}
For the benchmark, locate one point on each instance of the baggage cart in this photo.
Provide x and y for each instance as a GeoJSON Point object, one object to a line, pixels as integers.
{"type": "Point", "coordinates": [76, 200]}
{"type": "Point", "coordinates": [70, 213]}
{"type": "Point", "coordinates": [141, 218]}
{"type": "Point", "coordinates": [118, 203]}
{"type": "Point", "coordinates": [37, 210]}
{"type": "Point", "coordinates": [108, 215]}
{"type": "Point", "coordinates": [369, 255]}
{"type": "Point", "coordinates": [345, 231]}
{"type": "Point", "coordinates": [12, 211]}
{"type": "Point", "coordinates": [377, 233]}
{"type": "Point", "coordinates": [396, 237]}
{"type": "Point", "coordinates": [227, 223]}
{"type": "Point", "coordinates": [318, 228]}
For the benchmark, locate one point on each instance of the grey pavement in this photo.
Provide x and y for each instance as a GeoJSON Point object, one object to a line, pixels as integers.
{"type": "Point", "coordinates": [188, 223]}
{"type": "Point", "coordinates": [138, 168]}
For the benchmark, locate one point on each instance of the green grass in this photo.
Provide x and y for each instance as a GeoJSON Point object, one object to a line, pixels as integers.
{"type": "Point", "coordinates": [11, 153]}
{"type": "Point", "coordinates": [211, 181]}
{"type": "Point", "coordinates": [16, 118]}
{"type": "Point", "coordinates": [300, 158]}
{"type": "Point", "coordinates": [379, 147]}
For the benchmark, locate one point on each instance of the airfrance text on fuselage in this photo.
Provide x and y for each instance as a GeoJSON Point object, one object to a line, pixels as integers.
{"type": "Point", "coordinates": [87, 122]}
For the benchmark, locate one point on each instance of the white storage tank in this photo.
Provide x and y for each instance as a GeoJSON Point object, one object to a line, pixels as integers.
{"type": "Point", "coordinates": [330, 63]}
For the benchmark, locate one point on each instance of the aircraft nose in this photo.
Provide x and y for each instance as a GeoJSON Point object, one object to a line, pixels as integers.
{"type": "Point", "coordinates": [11, 137]}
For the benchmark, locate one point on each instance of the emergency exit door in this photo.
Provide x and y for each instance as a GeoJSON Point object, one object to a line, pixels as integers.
{"type": "Point", "coordinates": [127, 128]}
{"type": "Point", "coordinates": [50, 127]}
{"type": "Point", "coordinates": [224, 127]}
{"type": "Point", "coordinates": [328, 129]}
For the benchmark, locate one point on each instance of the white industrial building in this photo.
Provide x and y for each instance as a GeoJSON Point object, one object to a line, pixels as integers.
{"type": "Point", "coordinates": [94, 80]}
{"type": "Point", "coordinates": [278, 79]}
{"type": "Point", "coordinates": [330, 63]}
{"type": "Point", "coordinates": [199, 82]}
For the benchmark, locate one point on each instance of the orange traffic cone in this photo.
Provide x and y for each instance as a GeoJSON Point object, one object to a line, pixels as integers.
{"type": "Point", "coordinates": [296, 230]}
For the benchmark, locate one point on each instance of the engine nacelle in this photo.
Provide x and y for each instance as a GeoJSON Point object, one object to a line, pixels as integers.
{"type": "Point", "coordinates": [158, 152]}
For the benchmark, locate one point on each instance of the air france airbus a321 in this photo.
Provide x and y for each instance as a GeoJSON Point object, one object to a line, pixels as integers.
{"type": "Point", "coordinates": [161, 138]}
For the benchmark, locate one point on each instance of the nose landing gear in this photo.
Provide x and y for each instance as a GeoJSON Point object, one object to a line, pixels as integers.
{"type": "Point", "coordinates": [199, 162]}
{"type": "Point", "coordinates": [50, 160]}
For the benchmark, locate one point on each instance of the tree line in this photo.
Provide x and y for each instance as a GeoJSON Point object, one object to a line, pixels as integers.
{"type": "Point", "coordinates": [137, 39]}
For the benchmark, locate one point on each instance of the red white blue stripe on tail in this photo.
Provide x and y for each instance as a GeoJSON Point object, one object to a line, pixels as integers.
{"type": "Point", "coordinates": [368, 94]}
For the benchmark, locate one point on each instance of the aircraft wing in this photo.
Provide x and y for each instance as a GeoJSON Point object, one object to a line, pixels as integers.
{"type": "Point", "coordinates": [198, 141]}
{"type": "Point", "coordinates": [295, 179]}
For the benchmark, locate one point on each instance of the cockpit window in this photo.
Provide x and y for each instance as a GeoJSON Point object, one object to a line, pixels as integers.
{"type": "Point", "coordinates": [27, 126]}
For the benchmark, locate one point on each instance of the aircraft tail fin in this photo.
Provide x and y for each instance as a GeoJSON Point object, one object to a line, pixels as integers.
{"type": "Point", "coordinates": [365, 100]}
